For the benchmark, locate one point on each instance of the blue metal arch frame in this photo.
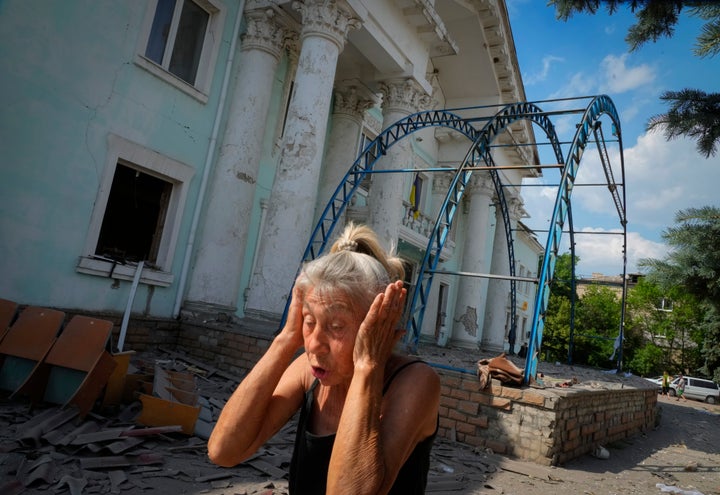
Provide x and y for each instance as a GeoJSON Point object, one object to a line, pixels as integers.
{"type": "Point", "coordinates": [364, 164]}
{"type": "Point", "coordinates": [478, 153]}
{"type": "Point", "coordinates": [599, 106]}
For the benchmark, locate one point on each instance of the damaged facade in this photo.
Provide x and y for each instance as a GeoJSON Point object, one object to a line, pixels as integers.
{"type": "Point", "coordinates": [203, 138]}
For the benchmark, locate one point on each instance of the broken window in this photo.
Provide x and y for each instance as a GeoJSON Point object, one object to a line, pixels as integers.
{"type": "Point", "coordinates": [134, 217]}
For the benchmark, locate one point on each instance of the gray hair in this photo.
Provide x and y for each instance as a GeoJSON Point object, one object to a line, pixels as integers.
{"type": "Point", "coordinates": [356, 266]}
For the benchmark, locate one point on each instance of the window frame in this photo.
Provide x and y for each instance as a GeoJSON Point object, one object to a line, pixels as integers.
{"type": "Point", "coordinates": [208, 58]}
{"type": "Point", "coordinates": [132, 155]}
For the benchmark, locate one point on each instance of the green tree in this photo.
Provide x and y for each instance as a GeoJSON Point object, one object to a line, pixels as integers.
{"type": "Point", "coordinates": [647, 361]}
{"type": "Point", "coordinates": [580, 330]}
{"type": "Point", "coordinates": [692, 113]}
{"type": "Point", "coordinates": [694, 258]}
{"type": "Point", "coordinates": [710, 328]}
{"type": "Point", "coordinates": [665, 327]}
{"type": "Point", "coordinates": [693, 265]}
{"type": "Point", "coordinates": [556, 333]}
{"type": "Point", "coordinates": [597, 326]}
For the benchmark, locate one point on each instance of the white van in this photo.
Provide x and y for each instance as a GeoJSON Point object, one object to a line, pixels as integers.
{"type": "Point", "coordinates": [698, 388]}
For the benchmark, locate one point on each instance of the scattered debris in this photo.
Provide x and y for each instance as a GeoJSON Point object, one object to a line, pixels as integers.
{"type": "Point", "coordinates": [500, 368]}
{"type": "Point", "coordinates": [601, 452]}
{"type": "Point", "coordinates": [673, 489]}
{"type": "Point", "coordinates": [112, 451]}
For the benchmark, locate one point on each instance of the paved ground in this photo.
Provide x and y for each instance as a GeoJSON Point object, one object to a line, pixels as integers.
{"type": "Point", "coordinates": [682, 455]}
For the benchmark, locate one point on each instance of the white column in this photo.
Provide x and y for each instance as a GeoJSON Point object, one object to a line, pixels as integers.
{"type": "Point", "coordinates": [400, 99]}
{"type": "Point", "coordinates": [440, 185]}
{"type": "Point", "coordinates": [350, 103]}
{"type": "Point", "coordinates": [472, 291]}
{"type": "Point", "coordinates": [325, 24]}
{"type": "Point", "coordinates": [221, 249]}
{"type": "Point", "coordinates": [498, 304]}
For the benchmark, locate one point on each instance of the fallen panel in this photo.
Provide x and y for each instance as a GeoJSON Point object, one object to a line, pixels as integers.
{"type": "Point", "coordinates": [8, 312]}
{"type": "Point", "coordinates": [26, 344]}
{"type": "Point", "coordinates": [116, 383]}
{"type": "Point", "coordinates": [162, 412]}
{"type": "Point", "coordinates": [77, 367]}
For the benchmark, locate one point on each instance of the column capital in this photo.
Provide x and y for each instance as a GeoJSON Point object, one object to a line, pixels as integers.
{"type": "Point", "coordinates": [516, 208]}
{"type": "Point", "coordinates": [329, 19]}
{"type": "Point", "coordinates": [267, 31]}
{"type": "Point", "coordinates": [441, 181]}
{"type": "Point", "coordinates": [352, 100]}
{"type": "Point", "coordinates": [480, 183]}
{"type": "Point", "coordinates": [403, 96]}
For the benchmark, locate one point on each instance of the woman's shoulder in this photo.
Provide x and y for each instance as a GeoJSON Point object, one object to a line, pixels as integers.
{"type": "Point", "coordinates": [408, 368]}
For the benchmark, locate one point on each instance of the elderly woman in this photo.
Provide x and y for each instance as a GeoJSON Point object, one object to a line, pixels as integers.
{"type": "Point", "coordinates": [368, 415]}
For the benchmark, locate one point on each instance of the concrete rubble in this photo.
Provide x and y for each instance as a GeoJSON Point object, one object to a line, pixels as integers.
{"type": "Point", "coordinates": [49, 449]}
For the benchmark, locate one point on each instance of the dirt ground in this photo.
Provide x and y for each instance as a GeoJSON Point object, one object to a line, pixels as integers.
{"type": "Point", "coordinates": [681, 455]}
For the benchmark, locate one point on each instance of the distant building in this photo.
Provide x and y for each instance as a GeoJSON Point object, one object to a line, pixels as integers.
{"type": "Point", "coordinates": [613, 282]}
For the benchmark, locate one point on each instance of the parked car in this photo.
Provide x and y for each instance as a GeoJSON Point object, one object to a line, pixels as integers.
{"type": "Point", "coordinates": [698, 388]}
{"type": "Point", "coordinates": [657, 380]}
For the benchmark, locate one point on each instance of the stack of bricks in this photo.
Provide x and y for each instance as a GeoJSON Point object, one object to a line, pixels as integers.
{"type": "Point", "coordinates": [548, 426]}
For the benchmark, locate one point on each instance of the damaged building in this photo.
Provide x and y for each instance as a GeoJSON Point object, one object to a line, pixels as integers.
{"type": "Point", "coordinates": [204, 139]}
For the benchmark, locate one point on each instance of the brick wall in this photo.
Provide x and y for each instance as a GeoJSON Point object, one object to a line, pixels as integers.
{"type": "Point", "coordinates": [548, 426]}
{"type": "Point", "coordinates": [229, 350]}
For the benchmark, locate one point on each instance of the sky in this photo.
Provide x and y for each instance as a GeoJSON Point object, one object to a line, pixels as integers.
{"type": "Point", "coordinates": [586, 56]}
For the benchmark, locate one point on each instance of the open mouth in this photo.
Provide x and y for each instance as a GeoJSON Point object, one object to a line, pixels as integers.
{"type": "Point", "coordinates": [319, 373]}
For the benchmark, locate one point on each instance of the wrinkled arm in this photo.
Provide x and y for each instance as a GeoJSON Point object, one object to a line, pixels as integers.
{"type": "Point", "coordinates": [266, 398]}
{"type": "Point", "coordinates": [376, 434]}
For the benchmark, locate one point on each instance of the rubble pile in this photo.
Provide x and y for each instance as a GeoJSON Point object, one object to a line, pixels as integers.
{"type": "Point", "coordinates": [121, 448]}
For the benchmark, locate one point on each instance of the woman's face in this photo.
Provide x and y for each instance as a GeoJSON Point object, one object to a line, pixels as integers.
{"type": "Point", "coordinates": [329, 330]}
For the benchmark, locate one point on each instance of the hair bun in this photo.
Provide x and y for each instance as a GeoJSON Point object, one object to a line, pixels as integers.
{"type": "Point", "coordinates": [347, 245]}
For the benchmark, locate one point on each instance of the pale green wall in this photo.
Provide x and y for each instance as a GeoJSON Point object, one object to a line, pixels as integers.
{"type": "Point", "coordinates": [69, 79]}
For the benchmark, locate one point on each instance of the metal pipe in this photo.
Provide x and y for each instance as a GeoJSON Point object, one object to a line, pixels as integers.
{"type": "Point", "coordinates": [483, 275]}
{"type": "Point", "coordinates": [128, 307]}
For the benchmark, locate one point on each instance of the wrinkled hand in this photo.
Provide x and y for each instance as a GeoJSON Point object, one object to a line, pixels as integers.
{"type": "Point", "coordinates": [379, 331]}
{"type": "Point", "coordinates": [293, 324]}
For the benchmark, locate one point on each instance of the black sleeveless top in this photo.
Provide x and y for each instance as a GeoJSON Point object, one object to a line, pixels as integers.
{"type": "Point", "coordinates": [311, 456]}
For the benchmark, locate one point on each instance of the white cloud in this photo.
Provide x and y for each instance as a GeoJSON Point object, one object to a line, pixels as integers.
{"type": "Point", "coordinates": [619, 78]}
{"type": "Point", "coordinates": [666, 176]}
{"type": "Point", "coordinates": [547, 61]}
{"type": "Point", "coordinates": [601, 251]}
{"type": "Point", "coordinates": [661, 177]}
{"type": "Point", "coordinates": [578, 83]}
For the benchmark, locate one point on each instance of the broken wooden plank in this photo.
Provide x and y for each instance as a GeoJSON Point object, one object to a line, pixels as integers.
{"type": "Point", "coordinates": [116, 383]}
{"type": "Point", "coordinates": [160, 412]}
